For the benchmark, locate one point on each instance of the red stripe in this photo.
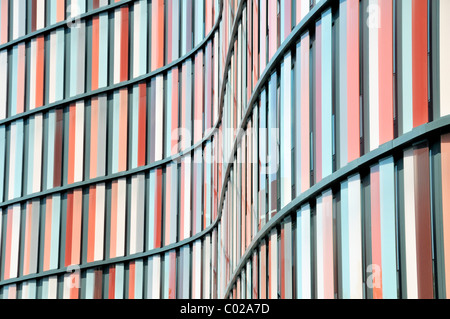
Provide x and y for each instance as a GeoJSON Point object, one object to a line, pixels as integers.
{"type": "Point", "coordinates": [40, 56]}
{"type": "Point", "coordinates": [353, 81]}
{"type": "Point", "coordinates": [112, 282]}
{"type": "Point", "coordinates": [91, 224]}
{"type": "Point", "coordinates": [423, 222]}
{"type": "Point", "coordinates": [142, 123]}
{"type": "Point", "coordinates": [95, 51]}
{"type": "Point", "coordinates": [386, 72]}
{"type": "Point", "coordinates": [124, 45]}
{"type": "Point", "coordinates": [420, 61]}
{"type": "Point", "coordinates": [69, 216]}
{"type": "Point", "coordinates": [58, 148]}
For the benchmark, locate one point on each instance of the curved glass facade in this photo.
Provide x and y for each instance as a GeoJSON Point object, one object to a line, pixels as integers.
{"type": "Point", "coordinates": [224, 149]}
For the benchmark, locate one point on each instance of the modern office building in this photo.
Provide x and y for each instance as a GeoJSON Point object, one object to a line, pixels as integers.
{"type": "Point", "coordinates": [224, 149]}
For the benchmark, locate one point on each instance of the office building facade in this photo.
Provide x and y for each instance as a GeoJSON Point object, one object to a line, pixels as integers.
{"type": "Point", "coordinates": [224, 149]}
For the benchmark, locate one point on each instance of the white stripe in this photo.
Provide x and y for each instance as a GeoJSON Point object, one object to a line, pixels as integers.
{"type": "Point", "coordinates": [156, 267]}
{"type": "Point", "coordinates": [121, 218]}
{"type": "Point", "coordinates": [306, 252]}
{"type": "Point", "coordinates": [410, 226]}
{"type": "Point", "coordinates": [3, 82]}
{"type": "Point", "coordinates": [52, 287]}
{"type": "Point", "coordinates": [137, 38]}
{"type": "Point", "coordinates": [37, 159]}
{"type": "Point", "coordinates": [33, 66]}
{"type": "Point", "coordinates": [207, 267]}
{"type": "Point", "coordinates": [40, 14]}
{"type": "Point", "coordinates": [159, 119]}
{"type": "Point", "coordinates": [15, 238]}
{"type": "Point", "coordinates": [319, 256]}
{"type": "Point", "coordinates": [444, 53]}
{"type": "Point", "coordinates": [117, 44]}
{"type": "Point", "coordinates": [273, 264]}
{"type": "Point", "coordinates": [52, 67]}
{"type": "Point", "coordinates": [305, 8]}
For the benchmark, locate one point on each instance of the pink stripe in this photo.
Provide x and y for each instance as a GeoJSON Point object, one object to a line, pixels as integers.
{"type": "Point", "coordinates": [304, 110]}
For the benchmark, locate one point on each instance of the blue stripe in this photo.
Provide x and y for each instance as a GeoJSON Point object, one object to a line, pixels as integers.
{"type": "Point", "coordinates": [103, 50]}
{"type": "Point", "coordinates": [407, 76]}
{"type": "Point", "coordinates": [345, 241]}
{"type": "Point", "coordinates": [15, 63]}
{"type": "Point", "coordinates": [327, 136]}
{"type": "Point", "coordinates": [299, 254]}
{"type": "Point", "coordinates": [90, 280]}
{"type": "Point", "coordinates": [59, 84]}
{"type": "Point", "coordinates": [119, 282]}
{"type": "Point", "coordinates": [387, 223]}
{"type": "Point", "coordinates": [343, 84]}
{"type": "Point", "coordinates": [139, 279]}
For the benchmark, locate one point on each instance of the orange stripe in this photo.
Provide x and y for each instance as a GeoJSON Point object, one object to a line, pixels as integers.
{"type": "Point", "coordinates": [131, 280]}
{"type": "Point", "coordinates": [112, 250]}
{"type": "Point", "coordinates": [157, 34]}
{"type": "Point", "coordinates": [123, 121]}
{"type": "Point", "coordinates": [74, 290]}
{"type": "Point", "coordinates": [71, 159]}
{"type": "Point", "coordinates": [95, 52]}
{"type": "Point", "coordinates": [40, 71]}
{"type": "Point", "coordinates": [91, 226]}
{"type": "Point", "coordinates": [26, 254]}
{"type": "Point", "coordinates": [94, 138]}
{"type": "Point", "coordinates": [60, 10]}
{"type": "Point", "coordinates": [48, 232]}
